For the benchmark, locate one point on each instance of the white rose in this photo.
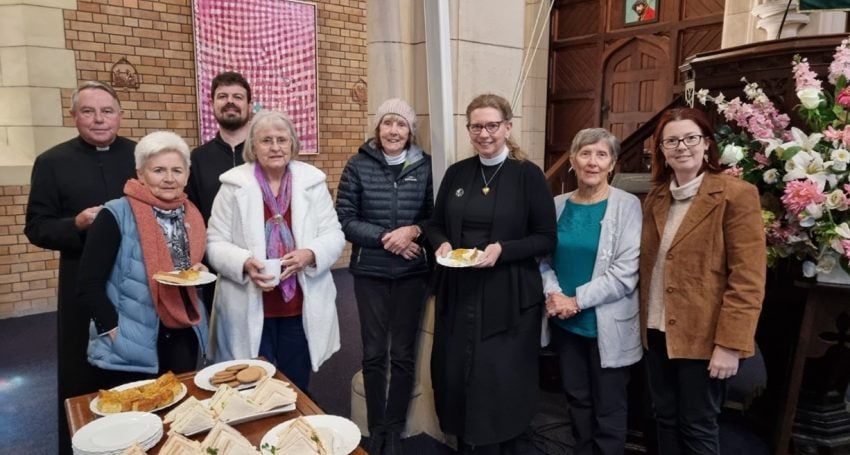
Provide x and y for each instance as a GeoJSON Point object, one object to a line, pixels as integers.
{"type": "Point", "coordinates": [809, 97]}
{"type": "Point", "coordinates": [731, 155]}
{"type": "Point", "coordinates": [836, 200]}
{"type": "Point", "coordinates": [770, 176]}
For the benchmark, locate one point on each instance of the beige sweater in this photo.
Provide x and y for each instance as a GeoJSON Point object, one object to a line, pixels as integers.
{"type": "Point", "coordinates": [682, 198]}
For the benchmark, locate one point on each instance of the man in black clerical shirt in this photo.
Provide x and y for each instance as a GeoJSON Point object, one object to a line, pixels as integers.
{"type": "Point", "coordinates": [69, 184]}
{"type": "Point", "coordinates": [231, 102]}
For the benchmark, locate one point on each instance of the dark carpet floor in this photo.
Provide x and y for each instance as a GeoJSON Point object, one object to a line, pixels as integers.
{"type": "Point", "coordinates": [28, 390]}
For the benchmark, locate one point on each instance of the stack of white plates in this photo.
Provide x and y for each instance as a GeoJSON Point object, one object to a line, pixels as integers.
{"type": "Point", "coordinates": [113, 434]}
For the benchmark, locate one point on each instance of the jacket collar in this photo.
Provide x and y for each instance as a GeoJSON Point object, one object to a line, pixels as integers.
{"type": "Point", "coordinates": [707, 199]}
{"type": "Point", "coordinates": [303, 175]}
{"type": "Point", "coordinates": [415, 153]}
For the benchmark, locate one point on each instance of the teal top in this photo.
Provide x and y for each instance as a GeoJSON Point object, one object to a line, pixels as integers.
{"type": "Point", "coordinates": [579, 228]}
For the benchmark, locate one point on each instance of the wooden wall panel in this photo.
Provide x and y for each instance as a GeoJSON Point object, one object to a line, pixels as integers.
{"type": "Point", "coordinates": [579, 18]}
{"type": "Point", "coordinates": [698, 39]}
{"type": "Point", "coordinates": [693, 9]}
{"type": "Point", "coordinates": [575, 68]}
{"type": "Point", "coordinates": [568, 117]}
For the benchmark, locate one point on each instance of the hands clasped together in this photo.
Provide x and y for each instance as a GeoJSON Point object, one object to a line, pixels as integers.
{"type": "Point", "coordinates": [402, 241]}
{"type": "Point", "coordinates": [561, 306]}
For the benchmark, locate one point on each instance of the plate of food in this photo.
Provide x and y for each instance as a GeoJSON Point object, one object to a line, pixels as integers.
{"type": "Point", "coordinates": [460, 257]}
{"type": "Point", "coordinates": [195, 416]}
{"type": "Point", "coordinates": [149, 395]}
{"type": "Point", "coordinates": [184, 277]}
{"type": "Point", "coordinates": [316, 434]}
{"type": "Point", "coordinates": [238, 374]}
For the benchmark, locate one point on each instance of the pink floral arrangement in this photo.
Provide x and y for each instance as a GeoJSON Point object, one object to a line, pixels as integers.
{"type": "Point", "coordinates": [802, 175]}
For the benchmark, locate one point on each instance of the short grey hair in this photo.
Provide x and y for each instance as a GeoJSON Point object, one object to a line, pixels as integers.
{"type": "Point", "coordinates": [158, 142]}
{"type": "Point", "coordinates": [93, 85]}
{"type": "Point", "coordinates": [589, 136]}
{"type": "Point", "coordinates": [269, 118]}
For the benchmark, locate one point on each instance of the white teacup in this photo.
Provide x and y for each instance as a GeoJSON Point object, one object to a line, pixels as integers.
{"type": "Point", "coordinates": [272, 267]}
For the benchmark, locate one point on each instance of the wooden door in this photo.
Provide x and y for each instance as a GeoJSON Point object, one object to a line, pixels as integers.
{"type": "Point", "coordinates": [636, 85]}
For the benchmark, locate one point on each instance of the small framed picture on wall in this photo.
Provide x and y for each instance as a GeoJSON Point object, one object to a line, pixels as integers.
{"type": "Point", "coordinates": [639, 12]}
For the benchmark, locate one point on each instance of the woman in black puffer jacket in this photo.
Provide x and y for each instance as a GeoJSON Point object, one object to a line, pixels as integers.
{"type": "Point", "coordinates": [385, 196]}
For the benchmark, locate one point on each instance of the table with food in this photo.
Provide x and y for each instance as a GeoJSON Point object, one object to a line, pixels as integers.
{"type": "Point", "coordinates": [235, 407]}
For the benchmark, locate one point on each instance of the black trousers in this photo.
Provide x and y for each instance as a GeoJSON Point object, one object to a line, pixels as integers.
{"type": "Point", "coordinates": [686, 401]}
{"type": "Point", "coordinates": [597, 396]}
{"type": "Point", "coordinates": [75, 376]}
{"type": "Point", "coordinates": [390, 312]}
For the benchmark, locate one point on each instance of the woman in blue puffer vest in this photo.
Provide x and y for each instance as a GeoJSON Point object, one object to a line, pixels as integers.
{"type": "Point", "coordinates": [139, 327]}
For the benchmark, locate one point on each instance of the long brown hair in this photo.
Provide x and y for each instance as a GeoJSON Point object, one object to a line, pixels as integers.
{"type": "Point", "coordinates": [504, 107]}
{"type": "Point", "coordinates": [661, 173]}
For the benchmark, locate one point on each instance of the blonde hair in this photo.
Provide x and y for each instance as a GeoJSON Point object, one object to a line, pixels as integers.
{"type": "Point", "coordinates": [500, 104]}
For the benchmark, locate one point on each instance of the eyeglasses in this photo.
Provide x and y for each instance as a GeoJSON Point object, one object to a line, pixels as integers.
{"type": "Point", "coordinates": [491, 127]}
{"type": "Point", "coordinates": [88, 112]}
{"type": "Point", "coordinates": [270, 141]}
{"type": "Point", "coordinates": [671, 142]}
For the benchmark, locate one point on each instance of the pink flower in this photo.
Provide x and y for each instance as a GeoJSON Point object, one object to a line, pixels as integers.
{"type": "Point", "coordinates": [843, 98]}
{"type": "Point", "coordinates": [799, 194]}
{"type": "Point", "coordinates": [836, 136]}
{"type": "Point", "coordinates": [734, 171]}
{"type": "Point", "coordinates": [840, 65]}
{"type": "Point", "coordinates": [804, 77]}
{"type": "Point", "coordinates": [761, 159]}
{"type": "Point", "coordinates": [847, 188]}
{"type": "Point", "coordinates": [846, 245]}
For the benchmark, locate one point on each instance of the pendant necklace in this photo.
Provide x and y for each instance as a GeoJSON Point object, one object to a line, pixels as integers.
{"type": "Point", "coordinates": [486, 188]}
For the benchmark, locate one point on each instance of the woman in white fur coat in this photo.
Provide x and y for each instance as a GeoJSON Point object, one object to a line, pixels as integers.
{"type": "Point", "coordinates": [273, 207]}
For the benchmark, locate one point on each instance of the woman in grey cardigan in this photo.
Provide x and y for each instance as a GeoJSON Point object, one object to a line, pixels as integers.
{"type": "Point", "coordinates": [590, 284]}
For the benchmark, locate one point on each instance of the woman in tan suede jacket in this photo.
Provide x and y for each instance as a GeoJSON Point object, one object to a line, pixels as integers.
{"type": "Point", "coordinates": [702, 274]}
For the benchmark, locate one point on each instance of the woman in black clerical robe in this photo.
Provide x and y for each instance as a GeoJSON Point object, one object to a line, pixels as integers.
{"type": "Point", "coordinates": [487, 326]}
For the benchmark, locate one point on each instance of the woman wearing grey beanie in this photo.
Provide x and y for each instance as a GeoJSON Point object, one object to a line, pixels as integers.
{"type": "Point", "coordinates": [385, 196]}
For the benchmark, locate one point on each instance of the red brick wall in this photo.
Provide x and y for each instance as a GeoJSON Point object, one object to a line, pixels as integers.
{"type": "Point", "coordinates": [28, 274]}
{"type": "Point", "coordinates": [156, 38]}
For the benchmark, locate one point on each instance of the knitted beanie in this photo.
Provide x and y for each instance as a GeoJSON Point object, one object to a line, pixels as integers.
{"type": "Point", "coordinates": [398, 107]}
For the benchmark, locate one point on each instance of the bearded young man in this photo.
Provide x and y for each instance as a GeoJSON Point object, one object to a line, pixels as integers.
{"type": "Point", "coordinates": [231, 100]}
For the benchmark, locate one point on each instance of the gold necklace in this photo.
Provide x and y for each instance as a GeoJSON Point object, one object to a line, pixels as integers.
{"type": "Point", "coordinates": [486, 188]}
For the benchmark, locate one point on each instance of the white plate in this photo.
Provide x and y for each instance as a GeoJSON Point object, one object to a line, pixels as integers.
{"type": "Point", "coordinates": [449, 262]}
{"type": "Point", "coordinates": [249, 418]}
{"type": "Point", "coordinates": [130, 385]}
{"type": "Point", "coordinates": [346, 435]}
{"type": "Point", "coordinates": [116, 432]}
{"type": "Point", "coordinates": [205, 278]}
{"type": "Point", "coordinates": [202, 378]}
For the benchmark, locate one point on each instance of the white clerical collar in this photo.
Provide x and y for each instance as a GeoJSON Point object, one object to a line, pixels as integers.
{"type": "Point", "coordinates": [394, 160]}
{"type": "Point", "coordinates": [102, 149]}
{"type": "Point", "coordinates": [502, 156]}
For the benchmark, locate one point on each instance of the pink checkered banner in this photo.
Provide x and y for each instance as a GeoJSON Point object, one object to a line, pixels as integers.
{"type": "Point", "coordinates": [273, 44]}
